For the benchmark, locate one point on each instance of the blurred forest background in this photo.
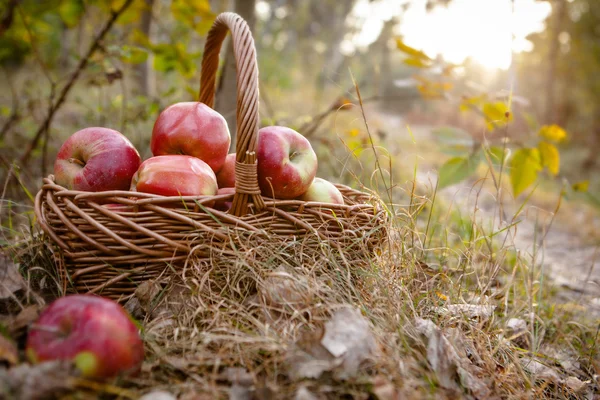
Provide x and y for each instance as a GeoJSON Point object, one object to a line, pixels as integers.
{"type": "Point", "coordinates": [69, 64]}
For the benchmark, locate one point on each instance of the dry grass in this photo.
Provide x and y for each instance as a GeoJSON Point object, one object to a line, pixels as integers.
{"type": "Point", "coordinates": [240, 328]}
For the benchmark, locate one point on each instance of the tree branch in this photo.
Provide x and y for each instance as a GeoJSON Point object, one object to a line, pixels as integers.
{"type": "Point", "coordinates": [65, 91]}
{"type": "Point", "coordinates": [7, 19]}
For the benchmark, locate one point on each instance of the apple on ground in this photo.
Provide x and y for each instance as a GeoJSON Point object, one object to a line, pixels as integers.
{"type": "Point", "coordinates": [323, 191]}
{"type": "Point", "coordinates": [96, 159]}
{"type": "Point", "coordinates": [287, 163]}
{"type": "Point", "coordinates": [194, 129]}
{"type": "Point", "coordinates": [224, 205]}
{"type": "Point", "coordinates": [226, 176]}
{"type": "Point", "coordinates": [175, 176]}
{"type": "Point", "coordinates": [95, 333]}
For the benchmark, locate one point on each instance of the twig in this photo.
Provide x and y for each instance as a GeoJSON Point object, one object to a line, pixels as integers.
{"type": "Point", "coordinates": [7, 19]}
{"type": "Point", "coordinates": [63, 95]}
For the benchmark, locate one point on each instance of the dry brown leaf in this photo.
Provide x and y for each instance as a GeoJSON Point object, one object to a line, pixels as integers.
{"type": "Point", "coordinates": [348, 336]}
{"type": "Point", "coordinates": [449, 366]}
{"type": "Point", "coordinates": [302, 393]}
{"type": "Point", "coordinates": [8, 351]}
{"type": "Point", "coordinates": [11, 280]}
{"type": "Point", "coordinates": [575, 384]}
{"type": "Point", "coordinates": [158, 395]}
{"type": "Point", "coordinates": [472, 311]}
{"type": "Point", "coordinates": [281, 289]}
{"type": "Point", "coordinates": [38, 382]}
{"type": "Point", "coordinates": [539, 370]}
{"type": "Point", "coordinates": [346, 343]}
{"type": "Point", "coordinates": [383, 389]}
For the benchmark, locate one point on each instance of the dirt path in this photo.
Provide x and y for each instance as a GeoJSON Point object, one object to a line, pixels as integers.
{"type": "Point", "coordinates": [566, 260]}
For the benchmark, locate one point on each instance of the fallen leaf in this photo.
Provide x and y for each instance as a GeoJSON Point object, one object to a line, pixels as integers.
{"type": "Point", "coordinates": [158, 395]}
{"type": "Point", "coordinates": [11, 280]}
{"type": "Point", "coordinates": [37, 382]}
{"type": "Point", "coordinates": [8, 351]}
{"type": "Point", "coordinates": [346, 343]}
{"type": "Point", "coordinates": [17, 325]}
{"type": "Point", "coordinates": [575, 384]}
{"type": "Point", "coordinates": [304, 394]}
{"type": "Point", "coordinates": [540, 370]}
{"type": "Point", "coordinates": [383, 389]}
{"type": "Point", "coordinates": [517, 332]}
{"type": "Point", "coordinates": [450, 367]}
{"type": "Point", "coordinates": [348, 336]}
{"type": "Point", "coordinates": [472, 311]}
{"type": "Point", "coordinates": [281, 289]}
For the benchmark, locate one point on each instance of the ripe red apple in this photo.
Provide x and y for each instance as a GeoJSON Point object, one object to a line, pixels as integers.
{"type": "Point", "coordinates": [224, 205]}
{"type": "Point", "coordinates": [95, 333]}
{"type": "Point", "coordinates": [287, 163]}
{"type": "Point", "coordinates": [226, 176]}
{"type": "Point", "coordinates": [175, 176]}
{"type": "Point", "coordinates": [193, 129]}
{"type": "Point", "coordinates": [323, 191]}
{"type": "Point", "coordinates": [95, 160]}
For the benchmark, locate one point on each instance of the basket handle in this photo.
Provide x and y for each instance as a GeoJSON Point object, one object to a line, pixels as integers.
{"type": "Point", "coordinates": [246, 178]}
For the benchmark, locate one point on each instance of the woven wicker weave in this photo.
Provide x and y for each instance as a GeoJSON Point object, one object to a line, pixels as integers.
{"type": "Point", "coordinates": [109, 250]}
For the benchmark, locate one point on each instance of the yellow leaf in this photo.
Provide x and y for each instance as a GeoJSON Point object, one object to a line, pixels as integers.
{"type": "Point", "coordinates": [469, 102]}
{"type": "Point", "coordinates": [524, 168]}
{"type": "Point", "coordinates": [411, 51]}
{"type": "Point", "coordinates": [353, 132]}
{"type": "Point", "coordinates": [441, 295]}
{"type": "Point", "coordinates": [553, 133]}
{"type": "Point", "coordinates": [417, 62]}
{"type": "Point", "coordinates": [582, 186]}
{"type": "Point", "coordinates": [496, 115]}
{"type": "Point", "coordinates": [550, 157]}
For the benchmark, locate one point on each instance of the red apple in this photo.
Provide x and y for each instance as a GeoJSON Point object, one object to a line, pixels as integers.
{"type": "Point", "coordinates": [323, 191]}
{"type": "Point", "coordinates": [193, 129]}
{"type": "Point", "coordinates": [95, 333]}
{"type": "Point", "coordinates": [95, 160]}
{"type": "Point", "coordinates": [287, 163]}
{"type": "Point", "coordinates": [226, 176]}
{"type": "Point", "coordinates": [175, 176]}
{"type": "Point", "coordinates": [224, 205]}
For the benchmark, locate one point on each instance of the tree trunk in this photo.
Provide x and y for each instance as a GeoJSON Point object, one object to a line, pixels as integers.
{"type": "Point", "coordinates": [142, 70]}
{"type": "Point", "coordinates": [226, 100]}
{"type": "Point", "coordinates": [558, 21]}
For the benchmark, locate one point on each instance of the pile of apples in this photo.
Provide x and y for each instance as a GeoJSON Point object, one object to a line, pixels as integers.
{"type": "Point", "coordinates": [190, 143]}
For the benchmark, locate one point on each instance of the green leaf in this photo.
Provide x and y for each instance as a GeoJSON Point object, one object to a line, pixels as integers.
{"type": "Point", "coordinates": [553, 133]}
{"type": "Point", "coordinates": [550, 157]}
{"type": "Point", "coordinates": [525, 166]}
{"type": "Point", "coordinates": [454, 141]}
{"type": "Point", "coordinates": [133, 54]}
{"type": "Point", "coordinates": [70, 12]}
{"type": "Point", "coordinates": [582, 186]}
{"type": "Point", "coordinates": [457, 169]}
{"type": "Point", "coordinates": [497, 155]}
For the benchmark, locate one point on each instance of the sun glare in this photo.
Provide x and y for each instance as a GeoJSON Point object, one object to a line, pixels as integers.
{"type": "Point", "coordinates": [479, 29]}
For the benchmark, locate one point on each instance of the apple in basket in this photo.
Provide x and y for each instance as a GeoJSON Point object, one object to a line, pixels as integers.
{"type": "Point", "coordinates": [287, 163]}
{"type": "Point", "coordinates": [226, 176]}
{"type": "Point", "coordinates": [323, 191]}
{"type": "Point", "coordinates": [175, 175]}
{"type": "Point", "coordinates": [194, 129]}
{"type": "Point", "coordinates": [95, 333]}
{"type": "Point", "coordinates": [96, 159]}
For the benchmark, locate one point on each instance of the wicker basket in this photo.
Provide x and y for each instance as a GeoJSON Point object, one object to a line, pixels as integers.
{"type": "Point", "coordinates": [110, 250]}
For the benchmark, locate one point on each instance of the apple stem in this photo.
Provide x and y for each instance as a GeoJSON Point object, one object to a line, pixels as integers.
{"type": "Point", "coordinates": [76, 161]}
